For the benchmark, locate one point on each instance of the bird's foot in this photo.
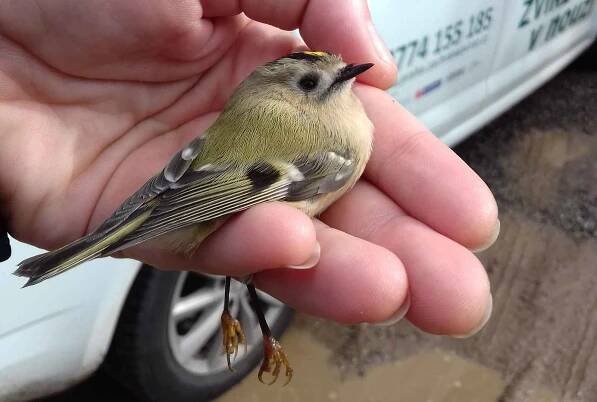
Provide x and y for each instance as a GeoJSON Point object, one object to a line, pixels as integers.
{"type": "Point", "coordinates": [232, 336]}
{"type": "Point", "coordinates": [273, 360]}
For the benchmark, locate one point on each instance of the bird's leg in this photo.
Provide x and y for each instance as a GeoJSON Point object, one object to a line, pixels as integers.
{"type": "Point", "coordinates": [274, 357]}
{"type": "Point", "coordinates": [232, 333]}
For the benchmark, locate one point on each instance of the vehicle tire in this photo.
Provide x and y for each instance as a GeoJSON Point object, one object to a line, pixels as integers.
{"type": "Point", "coordinates": [146, 354]}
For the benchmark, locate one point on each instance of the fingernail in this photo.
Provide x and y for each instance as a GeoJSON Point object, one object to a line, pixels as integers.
{"type": "Point", "coordinates": [492, 239]}
{"type": "Point", "coordinates": [380, 47]}
{"type": "Point", "coordinates": [311, 261]}
{"type": "Point", "coordinates": [481, 324]}
{"type": "Point", "coordinates": [398, 315]}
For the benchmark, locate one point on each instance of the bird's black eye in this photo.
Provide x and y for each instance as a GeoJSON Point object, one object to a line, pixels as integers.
{"type": "Point", "coordinates": [308, 82]}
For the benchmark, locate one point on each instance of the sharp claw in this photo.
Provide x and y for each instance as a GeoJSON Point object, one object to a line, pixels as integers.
{"type": "Point", "coordinates": [274, 356]}
{"type": "Point", "coordinates": [232, 335]}
{"type": "Point", "coordinates": [274, 378]}
{"type": "Point", "coordinates": [228, 361]}
{"type": "Point", "coordinates": [264, 368]}
{"type": "Point", "coordinates": [288, 376]}
{"type": "Point", "coordinates": [276, 372]}
{"type": "Point", "coordinates": [288, 372]}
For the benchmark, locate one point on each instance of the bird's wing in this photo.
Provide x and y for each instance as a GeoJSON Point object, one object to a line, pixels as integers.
{"type": "Point", "coordinates": [176, 168]}
{"type": "Point", "coordinates": [183, 194]}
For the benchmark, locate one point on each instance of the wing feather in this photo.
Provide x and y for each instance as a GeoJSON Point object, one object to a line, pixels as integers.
{"type": "Point", "coordinates": [171, 174]}
{"type": "Point", "coordinates": [213, 191]}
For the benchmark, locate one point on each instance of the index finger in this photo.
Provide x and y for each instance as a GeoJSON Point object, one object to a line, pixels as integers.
{"type": "Point", "coordinates": [425, 177]}
{"type": "Point", "coordinates": [339, 26]}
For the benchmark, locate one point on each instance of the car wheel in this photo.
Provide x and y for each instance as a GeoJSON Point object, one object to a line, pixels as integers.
{"type": "Point", "coordinates": [168, 344]}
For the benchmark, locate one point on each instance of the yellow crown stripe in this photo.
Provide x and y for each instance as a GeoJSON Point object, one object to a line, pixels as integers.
{"type": "Point", "coordinates": [317, 54]}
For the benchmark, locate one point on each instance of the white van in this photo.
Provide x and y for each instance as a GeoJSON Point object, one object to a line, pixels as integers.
{"type": "Point", "coordinates": [461, 63]}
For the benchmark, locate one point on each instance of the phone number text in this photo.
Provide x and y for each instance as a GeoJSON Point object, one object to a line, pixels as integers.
{"type": "Point", "coordinates": [443, 39]}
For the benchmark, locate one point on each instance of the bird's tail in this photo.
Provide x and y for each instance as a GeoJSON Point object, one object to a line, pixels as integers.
{"type": "Point", "coordinates": [46, 265]}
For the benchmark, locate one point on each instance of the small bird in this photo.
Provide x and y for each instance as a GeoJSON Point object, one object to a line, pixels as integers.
{"type": "Point", "coordinates": [293, 131]}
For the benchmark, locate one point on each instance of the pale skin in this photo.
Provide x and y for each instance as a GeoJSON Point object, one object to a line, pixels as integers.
{"type": "Point", "coordinates": [95, 97]}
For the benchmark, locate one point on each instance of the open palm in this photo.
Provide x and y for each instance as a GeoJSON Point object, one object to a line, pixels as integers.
{"type": "Point", "coordinates": [96, 96]}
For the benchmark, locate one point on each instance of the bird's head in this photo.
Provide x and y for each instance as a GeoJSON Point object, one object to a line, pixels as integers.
{"type": "Point", "coordinates": [313, 77]}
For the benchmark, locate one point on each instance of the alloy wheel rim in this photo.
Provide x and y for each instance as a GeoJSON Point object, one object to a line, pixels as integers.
{"type": "Point", "coordinates": [194, 332]}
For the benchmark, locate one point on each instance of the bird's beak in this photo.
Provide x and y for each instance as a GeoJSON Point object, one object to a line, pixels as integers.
{"type": "Point", "coordinates": [351, 71]}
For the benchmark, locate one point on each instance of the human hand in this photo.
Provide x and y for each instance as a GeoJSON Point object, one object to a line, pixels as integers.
{"type": "Point", "coordinates": [96, 96]}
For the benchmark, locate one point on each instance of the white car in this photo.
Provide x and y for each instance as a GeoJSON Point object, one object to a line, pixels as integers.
{"type": "Point", "coordinates": [460, 65]}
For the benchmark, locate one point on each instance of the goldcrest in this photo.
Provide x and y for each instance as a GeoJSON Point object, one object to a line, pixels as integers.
{"type": "Point", "coordinates": [293, 131]}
